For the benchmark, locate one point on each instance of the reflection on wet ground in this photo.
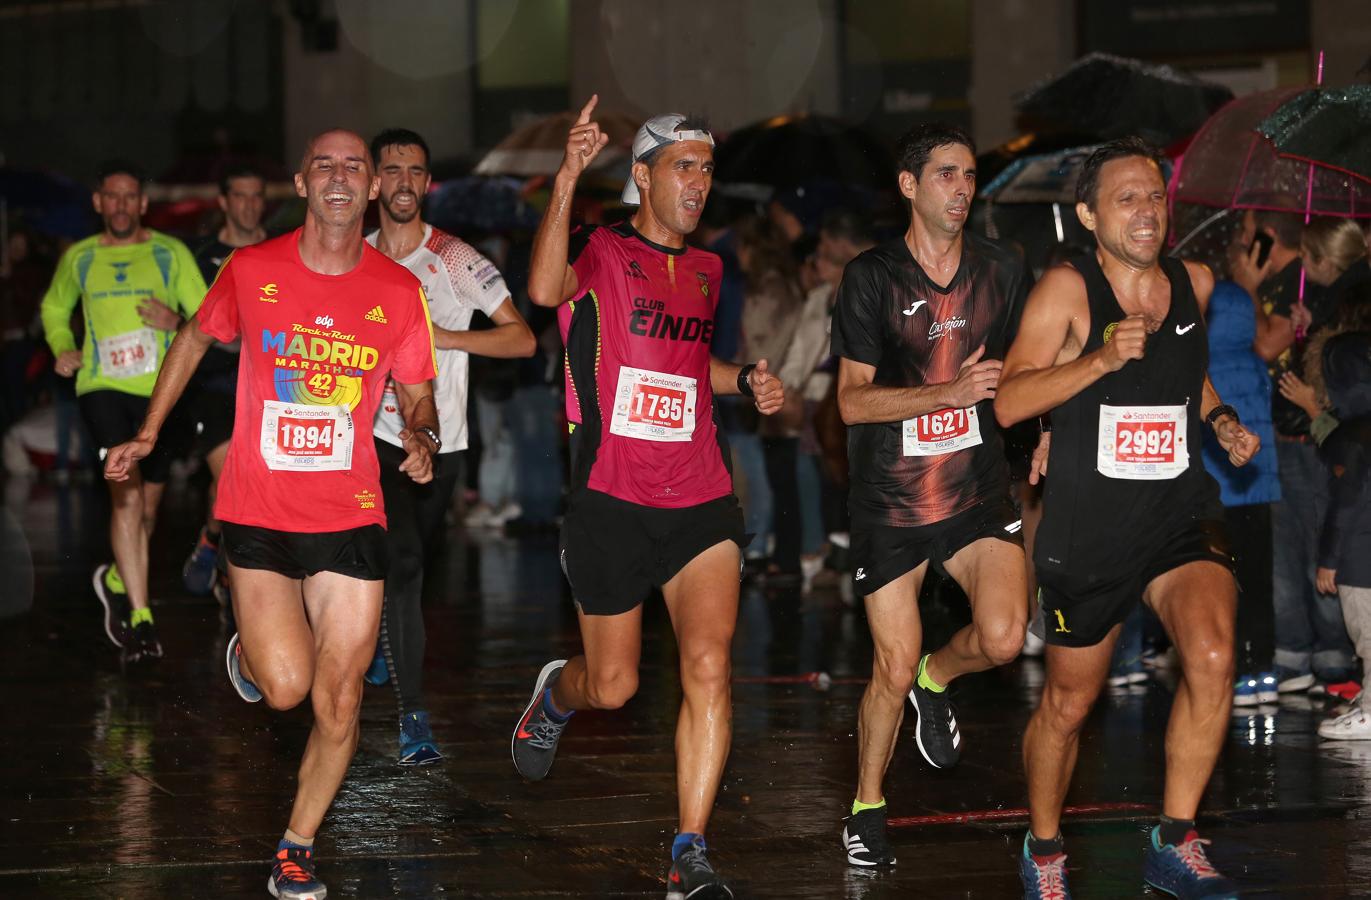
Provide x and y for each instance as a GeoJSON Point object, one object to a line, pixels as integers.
{"type": "Point", "coordinates": [164, 784]}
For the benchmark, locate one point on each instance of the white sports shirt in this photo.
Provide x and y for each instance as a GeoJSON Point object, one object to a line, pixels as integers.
{"type": "Point", "coordinates": [458, 281]}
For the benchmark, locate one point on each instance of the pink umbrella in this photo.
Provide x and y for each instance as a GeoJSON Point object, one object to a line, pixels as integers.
{"type": "Point", "coordinates": [1231, 166]}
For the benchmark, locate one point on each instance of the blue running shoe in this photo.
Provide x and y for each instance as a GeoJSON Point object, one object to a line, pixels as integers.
{"type": "Point", "coordinates": [1254, 689]}
{"type": "Point", "coordinates": [198, 572]}
{"type": "Point", "coordinates": [246, 689]}
{"type": "Point", "coordinates": [1268, 687]}
{"type": "Point", "coordinates": [1044, 878]}
{"type": "Point", "coordinates": [377, 673]}
{"type": "Point", "coordinates": [416, 740]}
{"type": "Point", "coordinates": [292, 876]}
{"type": "Point", "coordinates": [1246, 691]}
{"type": "Point", "coordinates": [1183, 870]}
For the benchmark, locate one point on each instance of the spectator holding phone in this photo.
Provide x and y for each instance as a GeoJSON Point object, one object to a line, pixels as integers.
{"type": "Point", "coordinates": [1311, 641]}
{"type": "Point", "coordinates": [1247, 493]}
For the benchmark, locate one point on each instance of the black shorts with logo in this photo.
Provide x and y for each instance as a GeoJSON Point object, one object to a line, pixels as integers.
{"type": "Point", "coordinates": [614, 552]}
{"type": "Point", "coordinates": [114, 417]}
{"type": "Point", "coordinates": [882, 553]}
{"type": "Point", "coordinates": [359, 553]}
{"type": "Point", "coordinates": [1080, 610]}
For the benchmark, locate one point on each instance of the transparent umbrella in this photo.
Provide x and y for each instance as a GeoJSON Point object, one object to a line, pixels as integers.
{"type": "Point", "coordinates": [1230, 165]}
{"type": "Point", "coordinates": [537, 148]}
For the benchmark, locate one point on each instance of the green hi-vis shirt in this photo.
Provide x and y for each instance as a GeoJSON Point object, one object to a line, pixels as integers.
{"type": "Point", "coordinates": [120, 352]}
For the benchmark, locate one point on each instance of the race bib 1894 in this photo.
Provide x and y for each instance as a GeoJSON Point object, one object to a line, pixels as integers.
{"type": "Point", "coordinates": [304, 438]}
{"type": "Point", "coordinates": [1142, 443]}
{"type": "Point", "coordinates": [653, 406]}
{"type": "Point", "coordinates": [941, 432]}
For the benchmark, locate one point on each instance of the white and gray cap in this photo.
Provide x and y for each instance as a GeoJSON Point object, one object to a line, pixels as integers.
{"type": "Point", "coordinates": [657, 132]}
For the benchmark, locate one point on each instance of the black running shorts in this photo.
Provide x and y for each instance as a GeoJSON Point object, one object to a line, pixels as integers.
{"type": "Point", "coordinates": [882, 553]}
{"type": "Point", "coordinates": [357, 552]}
{"type": "Point", "coordinates": [113, 418]}
{"type": "Point", "coordinates": [1080, 610]}
{"type": "Point", "coordinates": [614, 552]}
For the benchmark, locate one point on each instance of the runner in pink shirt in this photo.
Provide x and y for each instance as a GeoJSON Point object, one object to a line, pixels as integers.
{"type": "Point", "coordinates": [652, 501]}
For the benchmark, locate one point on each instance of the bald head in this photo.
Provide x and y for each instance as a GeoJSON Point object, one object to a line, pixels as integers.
{"type": "Point", "coordinates": [350, 143]}
{"type": "Point", "coordinates": [336, 178]}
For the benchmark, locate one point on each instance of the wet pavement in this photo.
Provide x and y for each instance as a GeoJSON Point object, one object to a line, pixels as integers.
{"type": "Point", "coordinates": [162, 783]}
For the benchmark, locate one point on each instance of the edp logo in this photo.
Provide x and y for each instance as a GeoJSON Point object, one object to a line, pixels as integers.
{"type": "Point", "coordinates": [326, 321]}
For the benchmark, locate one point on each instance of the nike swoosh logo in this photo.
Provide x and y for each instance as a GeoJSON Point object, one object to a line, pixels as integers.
{"type": "Point", "coordinates": [913, 309]}
{"type": "Point", "coordinates": [523, 726]}
{"type": "Point", "coordinates": [1180, 330]}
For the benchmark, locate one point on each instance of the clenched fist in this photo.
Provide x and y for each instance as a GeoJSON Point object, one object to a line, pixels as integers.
{"type": "Point", "coordinates": [1126, 342]}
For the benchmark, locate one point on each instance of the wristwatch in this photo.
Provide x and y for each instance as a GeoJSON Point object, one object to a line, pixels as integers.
{"type": "Point", "coordinates": [431, 435]}
{"type": "Point", "coordinates": [1223, 409]}
{"type": "Point", "coordinates": [744, 384]}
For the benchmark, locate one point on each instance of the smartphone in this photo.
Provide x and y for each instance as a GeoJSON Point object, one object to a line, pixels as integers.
{"type": "Point", "coordinates": [1263, 241]}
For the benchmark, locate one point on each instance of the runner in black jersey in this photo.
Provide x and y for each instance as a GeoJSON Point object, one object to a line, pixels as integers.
{"type": "Point", "coordinates": [651, 502]}
{"type": "Point", "coordinates": [1113, 345]}
{"type": "Point", "coordinates": [920, 324]}
{"type": "Point", "coordinates": [212, 393]}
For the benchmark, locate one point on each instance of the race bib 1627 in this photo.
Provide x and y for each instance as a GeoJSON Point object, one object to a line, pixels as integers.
{"type": "Point", "coordinates": [941, 432]}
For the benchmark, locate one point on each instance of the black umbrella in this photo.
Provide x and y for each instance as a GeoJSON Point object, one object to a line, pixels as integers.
{"type": "Point", "coordinates": [796, 150]}
{"type": "Point", "coordinates": [1112, 96]}
{"type": "Point", "coordinates": [994, 161]}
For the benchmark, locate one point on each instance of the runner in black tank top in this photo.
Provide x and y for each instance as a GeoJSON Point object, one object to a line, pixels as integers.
{"type": "Point", "coordinates": [1104, 537]}
{"type": "Point", "coordinates": [1113, 347]}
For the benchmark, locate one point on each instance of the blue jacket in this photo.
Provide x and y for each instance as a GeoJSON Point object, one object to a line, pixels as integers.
{"type": "Point", "coordinates": [1240, 377]}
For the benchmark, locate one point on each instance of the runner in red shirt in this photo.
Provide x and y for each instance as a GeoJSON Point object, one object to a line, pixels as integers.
{"type": "Point", "coordinates": [325, 320]}
{"type": "Point", "coordinates": [652, 500]}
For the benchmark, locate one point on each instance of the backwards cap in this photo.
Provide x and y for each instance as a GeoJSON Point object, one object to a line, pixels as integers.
{"type": "Point", "coordinates": [657, 132]}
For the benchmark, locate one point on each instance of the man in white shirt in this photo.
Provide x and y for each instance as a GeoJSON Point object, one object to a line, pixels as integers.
{"type": "Point", "coordinates": [458, 281]}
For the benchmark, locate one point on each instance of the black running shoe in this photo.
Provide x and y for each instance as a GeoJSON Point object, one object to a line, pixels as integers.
{"type": "Point", "coordinates": [142, 645]}
{"type": "Point", "coordinates": [864, 840]}
{"type": "Point", "coordinates": [935, 728]}
{"type": "Point", "coordinates": [116, 604]}
{"type": "Point", "coordinates": [693, 878]}
{"type": "Point", "coordinates": [534, 745]}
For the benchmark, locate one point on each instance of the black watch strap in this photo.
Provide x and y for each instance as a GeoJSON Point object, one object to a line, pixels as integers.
{"type": "Point", "coordinates": [1223, 409]}
{"type": "Point", "coordinates": [431, 435]}
{"type": "Point", "coordinates": [744, 384]}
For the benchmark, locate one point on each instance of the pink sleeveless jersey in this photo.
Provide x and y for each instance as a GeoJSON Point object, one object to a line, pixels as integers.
{"type": "Point", "coordinates": [637, 370]}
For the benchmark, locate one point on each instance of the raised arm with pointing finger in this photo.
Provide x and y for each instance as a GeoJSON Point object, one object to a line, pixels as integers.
{"type": "Point", "coordinates": [551, 280]}
{"type": "Point", "coordinates": [651, 499]}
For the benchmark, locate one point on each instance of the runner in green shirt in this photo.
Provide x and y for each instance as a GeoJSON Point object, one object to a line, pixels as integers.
{"type": "Point", "coordinates": [134, 286]}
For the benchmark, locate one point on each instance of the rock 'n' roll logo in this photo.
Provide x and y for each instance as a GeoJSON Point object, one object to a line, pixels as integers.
{"type": "Point", "coordinates": [318, 367]}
